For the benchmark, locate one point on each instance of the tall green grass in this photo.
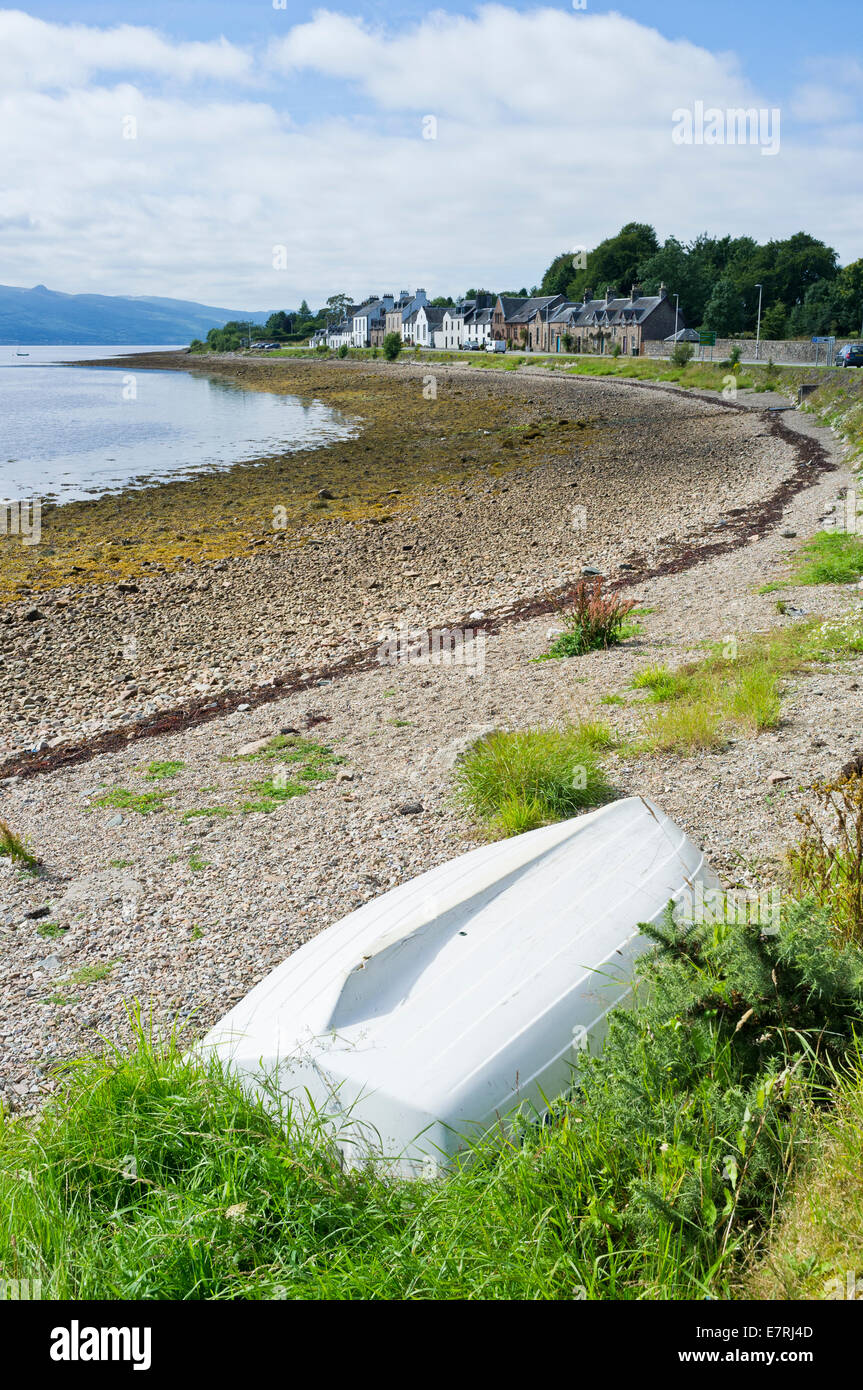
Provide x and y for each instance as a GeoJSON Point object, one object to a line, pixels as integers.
{"type": "Point", "coordinates": [151, 1175]}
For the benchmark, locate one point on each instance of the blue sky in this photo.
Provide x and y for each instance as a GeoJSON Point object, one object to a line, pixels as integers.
{"type": "Point", "coordinates": [258, 127]}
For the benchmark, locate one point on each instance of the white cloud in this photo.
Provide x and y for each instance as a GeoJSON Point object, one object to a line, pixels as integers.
{"type": "Point", "coordinates": [540, 65]}
{"type": "Point", "coordinates": [554, 128]}
{"type": "Point", "coordinates": [35, 54]}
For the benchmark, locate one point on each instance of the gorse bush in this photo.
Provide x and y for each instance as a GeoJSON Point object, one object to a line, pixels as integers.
{"type": "Point", "coordinates": [593, 620]}
{"type": "Point", "coordinates": [517, 781]}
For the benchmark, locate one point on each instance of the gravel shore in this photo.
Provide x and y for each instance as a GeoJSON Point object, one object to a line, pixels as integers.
{"type": "Point", "coordinates": [185, 912]}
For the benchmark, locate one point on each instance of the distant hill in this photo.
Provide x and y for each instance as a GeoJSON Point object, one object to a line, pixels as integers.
{"type": "Point", "coordinates": [41, 315]}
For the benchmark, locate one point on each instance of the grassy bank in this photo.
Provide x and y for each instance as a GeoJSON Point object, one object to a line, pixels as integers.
{"type": "Point", "coordinates": [153, 1177]}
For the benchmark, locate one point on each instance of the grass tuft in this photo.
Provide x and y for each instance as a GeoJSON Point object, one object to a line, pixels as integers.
{"type": "Point", "coordinates": [830, 557]}
{"type": "Point", "coordinates": [517, 781]}
{"type": "Point", "coordinates": [157, 772]}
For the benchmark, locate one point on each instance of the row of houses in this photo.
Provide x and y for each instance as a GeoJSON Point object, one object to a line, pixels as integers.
{"type": "Point", "coordinates": [537, 323]}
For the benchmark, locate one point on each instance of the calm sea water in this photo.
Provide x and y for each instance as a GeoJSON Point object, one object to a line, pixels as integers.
{"type": "Point", "coordinates": [71, 432]}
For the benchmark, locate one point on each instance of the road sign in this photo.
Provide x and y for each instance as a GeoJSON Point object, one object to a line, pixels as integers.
{"type": "Point", "coordinates": [706, 337]}
{"type": "Point", "coordinates": [821, 340]}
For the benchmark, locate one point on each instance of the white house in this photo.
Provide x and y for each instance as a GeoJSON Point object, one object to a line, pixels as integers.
{"type": "Point", "coordinates": [468, 321]}
{"type": "Point", "coordinates": [428, 328]}
{"type": "Point", "coordinates": [341, 333]}
{"type": "Point", "coordinates": [370, 316]}
{"type": "Point", "coordinates": [477, 326]}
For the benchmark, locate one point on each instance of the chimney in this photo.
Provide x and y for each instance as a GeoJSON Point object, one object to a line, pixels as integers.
{"type": "Point", "coordinates": [610, 293]}
{"type": "Point", "coordinates": [635, 292]}
{"type": "Point", "coordinates": [663, 292]}
{"type": "Point", "coordinates": [588, 295]}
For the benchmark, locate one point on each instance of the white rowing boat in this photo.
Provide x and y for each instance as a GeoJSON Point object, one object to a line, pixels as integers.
{"type": "Point", "coordinates": [432, 1012]}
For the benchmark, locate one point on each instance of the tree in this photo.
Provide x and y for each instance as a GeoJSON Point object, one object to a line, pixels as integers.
{"type": "Point", "coordinates": [849, 283]}
{"type": "Point", "coordinates": [443, 301]}
{"type": "Point", "coordinates": [338, 304]}
{"type": "Point", "coordinates": [774, 321]}
{"type": "Point", "coordinates": [724, 311]}
{"type": "Point", "coordinates": [821, 312]}
{"type": "Point", "coordinates": [392, 346]}
{"type": "Point", "coordinates": [278, 325]}
{"type": "Point", "coordinates": [558, 275]}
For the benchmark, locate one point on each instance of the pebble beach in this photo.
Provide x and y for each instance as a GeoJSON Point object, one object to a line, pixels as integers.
{"type": "Point", "coordinates": [205, 617]}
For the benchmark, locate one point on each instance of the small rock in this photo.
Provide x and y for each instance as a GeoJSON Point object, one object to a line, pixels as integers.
{"type": "Point", "coordinates": [127, 587]}
{"type": "Point", "coordinates": [326, 495]}
{"type": "Point", "coordinates": [344, 776]}
{"type": "Point", "coordinates": [789, 535]}
{"type": "Point", "coordinates": [33, 615]}
{"type": "Point", "coordinates": [36, 912]}
{"type": "Point", "coordinates": [589, 572]}
{"type": "Point", "coordinates": [775, 777]}
{"type": "Point", "coordinates": [50, 964]}
{"type": "Point", "coordinates": [113, 821]}
{"type": "Point", "coordinates": [411, 808]}
{"type": "Point", "coordinates": [257, 746]}
{"type": "Point", "coordinates": [241, 709]}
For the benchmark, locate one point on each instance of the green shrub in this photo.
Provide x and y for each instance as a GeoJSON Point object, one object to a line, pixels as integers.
{"type": "Point", "coordinates": [681, 353]}
{"type": "Point", "coordinates": [343, 350]}
{"type": "Point", "coordinates": [392, 346]}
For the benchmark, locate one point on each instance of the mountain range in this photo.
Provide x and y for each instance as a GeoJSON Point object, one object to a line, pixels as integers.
{"type": "Point", "coordinates": [40, 315]}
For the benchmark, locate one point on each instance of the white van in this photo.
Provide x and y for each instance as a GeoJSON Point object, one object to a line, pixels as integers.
{"type": "Point", "coordinates": [495, 345]}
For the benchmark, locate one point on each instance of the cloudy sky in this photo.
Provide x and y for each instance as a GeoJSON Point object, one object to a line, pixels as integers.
{"type": "Point", "coordinates": [257, 126]}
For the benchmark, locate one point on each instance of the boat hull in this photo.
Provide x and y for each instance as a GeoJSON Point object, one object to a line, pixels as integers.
{"type": "Point", "coordinates": [431, 1014]}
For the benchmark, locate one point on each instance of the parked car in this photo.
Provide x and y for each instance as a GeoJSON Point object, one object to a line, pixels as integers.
{"type": "Point", "coordinates": [495, 345]}
{"type": "Point", "coordinates": [469, 345]}
{"type": "Point", "coordinates": [849, 355]}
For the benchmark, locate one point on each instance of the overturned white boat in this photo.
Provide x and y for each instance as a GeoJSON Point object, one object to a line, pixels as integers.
{"type": "Point", "coordinates": [433, 1012]}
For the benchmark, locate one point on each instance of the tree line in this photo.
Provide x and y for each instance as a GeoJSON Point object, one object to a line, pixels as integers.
{"type": "Point", "coordinates": [804, 290]}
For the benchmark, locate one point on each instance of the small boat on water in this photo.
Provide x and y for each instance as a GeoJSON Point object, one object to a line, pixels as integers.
{"type": "Point", "coordinates": [429, 1014]}
{"type": "Point", "coordinates": [22, 354]}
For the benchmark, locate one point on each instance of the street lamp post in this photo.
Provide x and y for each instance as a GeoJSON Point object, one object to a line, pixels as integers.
{"type": "Point", "coordinates": [676, 317]}
{"type": "Point", "coordinates": [758, 329]}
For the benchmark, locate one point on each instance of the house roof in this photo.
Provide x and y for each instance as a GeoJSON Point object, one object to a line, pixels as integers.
{"type": "Point", "coordinates": [519, 310]}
